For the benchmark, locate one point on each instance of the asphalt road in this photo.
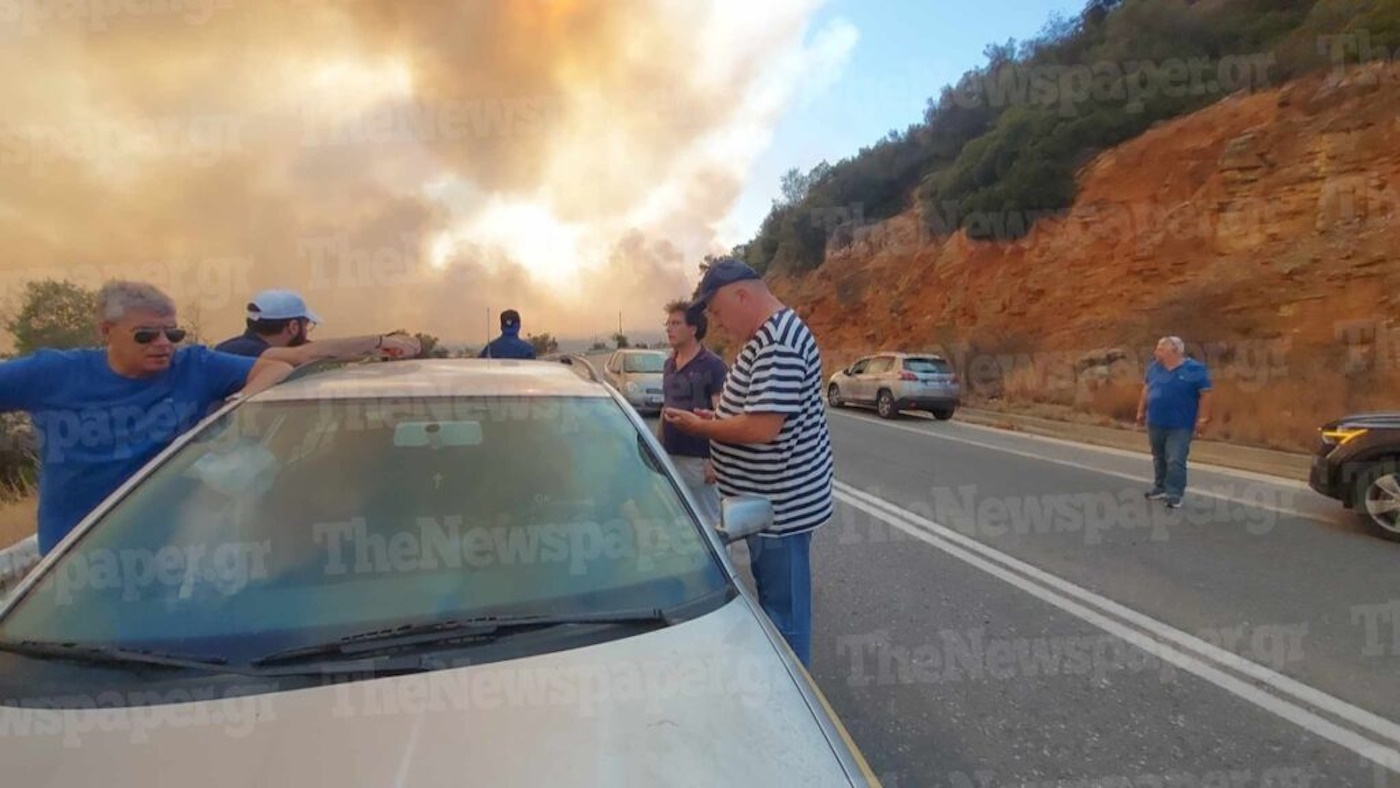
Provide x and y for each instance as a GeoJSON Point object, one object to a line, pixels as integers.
{"type": "Point", "coordinates": [994, 609]}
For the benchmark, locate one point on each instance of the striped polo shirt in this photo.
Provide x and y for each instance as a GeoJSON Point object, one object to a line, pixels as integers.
{"type": "Point", "coordinates": [780, 371]}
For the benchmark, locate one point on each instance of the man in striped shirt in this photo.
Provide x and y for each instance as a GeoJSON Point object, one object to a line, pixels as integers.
{"type": "Point", "coordinates": [769, 437]}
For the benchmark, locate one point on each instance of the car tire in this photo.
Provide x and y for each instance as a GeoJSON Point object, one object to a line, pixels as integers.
{"type": "Point", "coordinates": [884, 405]}
{"type": "Point", "coordinates": [943, 414]}
{"type": "Point", "coordinates": [1377, 498]}
{"type": "Point", "coordinates": [833, 396]}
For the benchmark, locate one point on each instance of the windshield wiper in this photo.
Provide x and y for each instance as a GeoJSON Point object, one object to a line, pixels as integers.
{"type": "Point", "coordinates": [373, 642]}
{"type": "Point", "coordinates": [114, 655]}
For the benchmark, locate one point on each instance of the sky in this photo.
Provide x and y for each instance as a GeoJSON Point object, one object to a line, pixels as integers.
{"type": "Point", "coordinates": [901, 53]}
{"type": "Point", "coordinates": [425, 165]}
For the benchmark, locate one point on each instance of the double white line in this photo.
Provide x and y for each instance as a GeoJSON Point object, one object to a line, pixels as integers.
{"type": "Point", "coordinates": [1368, 735]}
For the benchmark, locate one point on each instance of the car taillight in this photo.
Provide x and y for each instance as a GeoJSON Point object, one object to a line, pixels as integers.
{"type": "Point", "coordinates": [908, 376]}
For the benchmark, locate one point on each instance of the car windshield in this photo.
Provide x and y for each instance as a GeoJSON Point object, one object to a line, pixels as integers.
{"type": "Point", "coordinates": [287, 523]}
{"type": "Point", "coordinates": [927, 366]}
{"type": "Point", "coordinates": [646, 363]}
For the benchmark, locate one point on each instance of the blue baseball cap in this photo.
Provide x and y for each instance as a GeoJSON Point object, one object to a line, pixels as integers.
{"type": "Point", "coordinates": [720, 273]}
{"type": "Point", "coordinates": [279, 305]}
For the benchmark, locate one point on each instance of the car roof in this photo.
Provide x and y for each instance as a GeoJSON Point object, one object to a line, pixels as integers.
{"type": "Point", "coordinates": [895, 354]}
{"type": "Point", "coordinates": [439, 378]}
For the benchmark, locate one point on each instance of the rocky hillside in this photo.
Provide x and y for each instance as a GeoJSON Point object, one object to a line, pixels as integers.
{"type": "Point", "coordinates": [1265, 230]}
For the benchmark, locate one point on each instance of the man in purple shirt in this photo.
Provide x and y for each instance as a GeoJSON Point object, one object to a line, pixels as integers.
{"type": "Point", "coordinates": [693, 378]}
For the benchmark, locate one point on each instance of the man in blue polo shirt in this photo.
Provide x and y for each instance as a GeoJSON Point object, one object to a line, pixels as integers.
{"type": "Point", "coordinates": [692, 379]}
{"type": "Point", "coordinates": [103, 413]}
{"type": "Point", "coordinates": [1175, 404]}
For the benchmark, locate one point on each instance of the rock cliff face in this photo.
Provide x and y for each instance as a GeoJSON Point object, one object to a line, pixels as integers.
{"type": "Point", "coordinates": [1264, 230]}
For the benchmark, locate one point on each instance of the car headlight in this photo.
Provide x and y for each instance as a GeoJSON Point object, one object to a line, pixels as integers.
{"type": "Point", "coordinates": [1342, 435]}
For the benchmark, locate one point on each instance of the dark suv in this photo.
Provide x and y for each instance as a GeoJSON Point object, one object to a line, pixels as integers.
{"type": "Point", "coordinates": [1358, 463]}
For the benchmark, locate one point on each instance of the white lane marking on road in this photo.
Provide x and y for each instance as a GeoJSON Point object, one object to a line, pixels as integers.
{"type": "Point", "coordinates": [1141, 455]}
{"type": "Point", "coordinates": [1221, 470]}
{"type": "Point", "coordinates": [1121, 622]}
{"type": "Point", "coordinates": [1204, 493]}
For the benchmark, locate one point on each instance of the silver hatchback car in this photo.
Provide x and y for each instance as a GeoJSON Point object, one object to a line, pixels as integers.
{"type": "Point", "coordinates": [419, 573]}
{"type": "Point", "coordinates": [895, 382]}
{"type": "Point", "coordinates": [637, 375]}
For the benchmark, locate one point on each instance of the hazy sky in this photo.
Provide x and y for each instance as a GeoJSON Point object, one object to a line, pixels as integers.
{"type": "Point", "coordinates": [423, 165]}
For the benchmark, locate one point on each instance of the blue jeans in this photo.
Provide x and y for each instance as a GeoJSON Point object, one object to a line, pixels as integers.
{"type": "Point", "coordinates": [782, 570]}
{"type": "Point", "coordinates": [1170, 446]}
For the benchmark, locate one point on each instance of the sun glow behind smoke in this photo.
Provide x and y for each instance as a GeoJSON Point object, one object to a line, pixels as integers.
{"type": "Point", "coordinates": [561, 156]}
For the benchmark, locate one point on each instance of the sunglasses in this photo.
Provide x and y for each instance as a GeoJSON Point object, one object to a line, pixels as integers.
{"type": "Point", "coordinates": [145, 336]}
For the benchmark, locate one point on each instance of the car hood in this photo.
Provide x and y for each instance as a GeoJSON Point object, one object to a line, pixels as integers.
{"type": "Point", "coordinates": [706, 702]}
{"type": "Point", "coordinates": [1378, 421]}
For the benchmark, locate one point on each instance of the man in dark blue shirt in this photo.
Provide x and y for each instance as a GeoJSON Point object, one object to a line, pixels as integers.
{"type": "Point", "coordinates": [102, 414]}
{"type": "Point", "coordinates": [279, 327]}
{"type": "Point", "coordinates": [1175, 404]}
{"type": "Point", "coordinates": [693, 378]}
{"type": "Point", "coordinates": [508, 344]}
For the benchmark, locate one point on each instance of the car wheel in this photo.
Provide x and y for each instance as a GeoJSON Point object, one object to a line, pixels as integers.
{"type": "Point", "coordinates": [943, 414]}
{"type": "Point", "coordinates": [1378, 498]}
{"type": "Point", "coordinates": [833, 396]}
{"type": "Point", "coordinates": [884, 405]}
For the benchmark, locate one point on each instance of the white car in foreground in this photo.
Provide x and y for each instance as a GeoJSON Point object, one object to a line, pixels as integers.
{"type": "Point", "coordinates": [429, 573]}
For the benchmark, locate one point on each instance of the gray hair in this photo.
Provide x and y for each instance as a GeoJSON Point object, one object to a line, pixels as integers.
{"type": "Point", "coordinates": [116, 298]}
{"type": "Point", "coordinates": [1174, 343]}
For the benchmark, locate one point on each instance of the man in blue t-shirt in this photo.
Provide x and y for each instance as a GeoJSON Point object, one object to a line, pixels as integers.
{"type": "Point", "coordinates": [692, 379]}
{"type": "Point", "coordinates": [508, 344]}
{"type": "Point", "coordinates": [1175, 405]}
{"type": "Point", "coordinates": [103, 413]}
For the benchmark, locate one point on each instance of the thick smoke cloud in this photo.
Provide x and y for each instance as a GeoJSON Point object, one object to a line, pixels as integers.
{"type": "Point", "coordinates": [405, 163]}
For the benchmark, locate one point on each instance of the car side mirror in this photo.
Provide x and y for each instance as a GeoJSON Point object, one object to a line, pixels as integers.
{"type": "Point", "coordinates": [743, 516]}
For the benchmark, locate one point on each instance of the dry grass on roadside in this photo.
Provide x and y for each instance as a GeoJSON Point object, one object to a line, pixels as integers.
{"type": "Point", "coordinates": [17, 520]}
{"type": "Point", "coordinates": [1281, 411]}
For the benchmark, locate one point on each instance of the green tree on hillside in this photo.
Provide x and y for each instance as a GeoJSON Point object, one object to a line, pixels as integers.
{"type": "Point", "coordinates": [1000, 148]}
{"type": "Point", "coordinates": [54, 314]}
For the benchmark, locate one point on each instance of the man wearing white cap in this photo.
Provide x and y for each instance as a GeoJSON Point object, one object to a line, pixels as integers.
{"type": "Point", "coordinates": [278, 328]}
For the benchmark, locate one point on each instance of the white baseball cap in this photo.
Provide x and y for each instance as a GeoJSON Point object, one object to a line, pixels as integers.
{"type": "Point", "coordinates": [279, 305]}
